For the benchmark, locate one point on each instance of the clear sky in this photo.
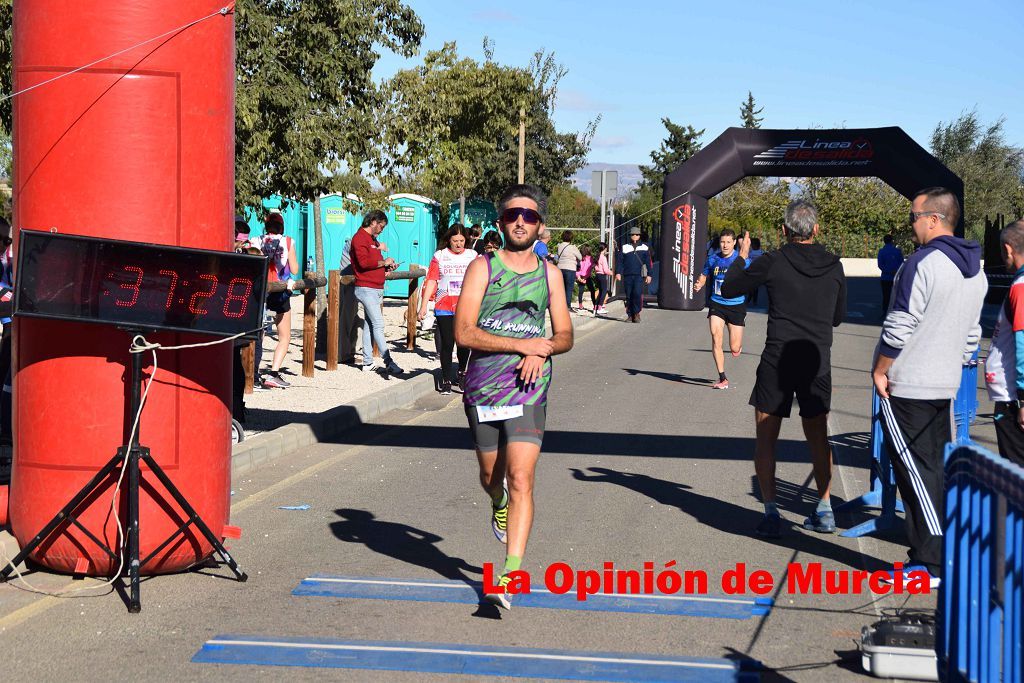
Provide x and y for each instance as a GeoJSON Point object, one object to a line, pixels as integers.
{"type": "Point", "coordinates": [809, 63]}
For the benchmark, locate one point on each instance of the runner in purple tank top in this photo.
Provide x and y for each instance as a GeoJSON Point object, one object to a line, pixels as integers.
{"type": "Point", "coordinates": [501, 313]}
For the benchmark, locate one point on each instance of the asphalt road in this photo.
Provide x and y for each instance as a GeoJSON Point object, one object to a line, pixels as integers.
{"type": "Point", "coordinates": [642, 462]}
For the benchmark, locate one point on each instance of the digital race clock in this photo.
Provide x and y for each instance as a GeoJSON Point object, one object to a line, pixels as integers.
{"type": "Point", "coordinates": [138, 285]}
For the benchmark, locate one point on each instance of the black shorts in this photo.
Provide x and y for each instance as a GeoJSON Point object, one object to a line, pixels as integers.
{"type": "Point", "coordinates": [279, 302]}
{"type": "Point", "coordinates": [774, 390]}
{"type": "Point", "coordinates": [489, 436]}
{"type": "Point", "coordinates": [733, 315]}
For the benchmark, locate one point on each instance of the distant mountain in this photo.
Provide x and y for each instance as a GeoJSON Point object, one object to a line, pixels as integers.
{"type": "Point", "coordinates": [629, 177]}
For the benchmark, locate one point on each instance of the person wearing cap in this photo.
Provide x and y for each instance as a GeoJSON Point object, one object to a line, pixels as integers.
{"type": "Point", "coordinates": [633, 268]}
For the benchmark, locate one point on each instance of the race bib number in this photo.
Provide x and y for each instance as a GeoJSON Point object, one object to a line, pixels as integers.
{"type": "Point", "coordinates": [454, 287]}
{"type": "Point", "coordinates": [495, 413]}
{"type": "Point", "coordinates": [718, 287]}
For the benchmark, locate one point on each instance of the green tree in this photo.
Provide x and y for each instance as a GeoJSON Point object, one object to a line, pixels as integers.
{"type": "Point", "coordinates": [452, 124]}
{"type": "Point", "coordinates": [569, 207]}
{"type": "Point", "coordinates": [856, 213]}
{"type": "Point", "coordinates": [991, 169]}
{"type": "Point", "coordinates": [305, 97]}
{"type": "Point", "coordinates": [756, 205]}
{"type": "Point", "coordinates": [681, 144]}
{"type": "Point", "coordinates": [749, 112]}
{"type": "Point", "coordinates": [642, 208]}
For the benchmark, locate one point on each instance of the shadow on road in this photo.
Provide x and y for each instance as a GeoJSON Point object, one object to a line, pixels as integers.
{"type": "Point", "coordinates": [729, 517]}
{"type": "Point", "coordinates": [579, 442]}
{"type": "Point", "coordinates": [671, 377]}
{"type": "Point", "coordinates": [402, 542]}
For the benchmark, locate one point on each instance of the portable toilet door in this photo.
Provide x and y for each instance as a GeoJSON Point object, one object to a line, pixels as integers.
{"type": "Point", "coordinates": [478, 212]}
{"type": "Point", "coordinates": [411, 236]}
{"type": "Point", "coordinates": [297, 221]}
{"type": "Point", "coordinates": [338, 223]}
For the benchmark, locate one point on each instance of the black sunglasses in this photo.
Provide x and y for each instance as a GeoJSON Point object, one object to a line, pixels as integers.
{"type": "Point", "coordinates": [530, 216]}
{"type": "Point", "coordinates": [914, 215]}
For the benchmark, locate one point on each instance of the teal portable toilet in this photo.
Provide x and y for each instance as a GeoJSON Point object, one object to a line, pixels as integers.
{"type": "Point", "coordinates": [338, 224]}
{"type": "Point", "coordinates": [478, 212]}
{"type": "Point", "coordinates": [411, 236]}
{"type": "Point", "coordinates": [298, 222]}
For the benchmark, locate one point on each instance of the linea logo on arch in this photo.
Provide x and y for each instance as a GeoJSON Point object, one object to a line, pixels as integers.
{"type": "Point", "coordinates": [856, 150]}
{"type": "Point", "coordinates": [685, 218]}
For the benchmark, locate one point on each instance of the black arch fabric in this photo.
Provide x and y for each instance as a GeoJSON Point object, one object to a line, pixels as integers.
{"type": "Point", "coordinates": [886, 153]}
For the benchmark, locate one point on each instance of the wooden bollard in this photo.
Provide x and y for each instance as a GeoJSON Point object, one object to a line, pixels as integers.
{"type": "Point", "coordinates": [309, 329]}
{"type": "Point", "coordinates": [349, 327]}
{"type": "Point", "coordinates": [333, 314]}
{"type": "Point", "coordinates": [412, 310]}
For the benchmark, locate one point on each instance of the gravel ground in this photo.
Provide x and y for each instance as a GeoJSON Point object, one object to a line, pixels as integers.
{"type": "Point", "coordinates": [272, 408]}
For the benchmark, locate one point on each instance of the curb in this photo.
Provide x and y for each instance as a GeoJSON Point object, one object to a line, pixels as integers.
{"type": "Point", "coordinates": [262, 448]}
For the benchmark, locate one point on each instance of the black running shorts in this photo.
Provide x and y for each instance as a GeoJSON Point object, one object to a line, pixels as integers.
{"type": "Point", "coordinates": [279, 302]}
{"type": "Point", "coordinates": [489, 436]}
{"type": "Point", "coordinates": [774, 390]}
{"type": "Point", "coordinates": [733, 315]}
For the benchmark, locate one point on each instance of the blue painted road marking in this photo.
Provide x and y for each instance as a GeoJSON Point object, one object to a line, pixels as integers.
{"type": "Point", "coordinates": [425, 590]}
{"type": "Point", "coordinates": [469, 659]}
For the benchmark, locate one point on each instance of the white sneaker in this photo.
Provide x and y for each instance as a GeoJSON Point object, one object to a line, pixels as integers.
{"type": "Point", "coordinates": [372, 367]}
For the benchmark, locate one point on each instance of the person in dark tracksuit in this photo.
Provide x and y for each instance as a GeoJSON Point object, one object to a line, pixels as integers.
{"type": "Point", "coordinates": [633, 268]}
{"type": "Point", "coordinates": [890, 258]}
{"type": "Point", "coordinates": [932, 328]}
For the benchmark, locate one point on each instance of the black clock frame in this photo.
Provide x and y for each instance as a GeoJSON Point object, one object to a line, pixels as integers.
{"type": "Point", "coordinates": [107, 254]}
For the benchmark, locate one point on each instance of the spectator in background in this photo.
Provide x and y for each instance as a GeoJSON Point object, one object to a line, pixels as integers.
{"type": "Point", "coordinates": [585, 278]}
{"type": "Point", "coordinates": [567, 258]}
{"type": "Point", "coordinates": [931, 329]}
{"type": "Point", "coordinates": [890, 258]}
{"type": "Point", "coordinates": [282, 265]}
{"type": "Point", "coordinates": [489, 243]}
{"type": "Point", "coordinates": [444, 278]}
{"type": "Point", "coordinates": [473, 236]}
{"type": "Point", "coordinates": [370, 267]}
{"type": "Point", "coordinates": [242, 233]}
{"type": "Point", "coordinates": [603, 276]}
{"type": "Point", "coordinates": [633, 268]}
{"type": "Point", "coordinates": [540, 247]}
{"type": "Point", "coordinates": [1004, 368]}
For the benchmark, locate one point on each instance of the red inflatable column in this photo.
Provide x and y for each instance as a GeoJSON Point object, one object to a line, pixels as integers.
{"type": "Point", "coordinates": [136, 147]}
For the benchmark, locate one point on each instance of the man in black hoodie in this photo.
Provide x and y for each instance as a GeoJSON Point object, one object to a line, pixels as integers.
{"type": "Point", "coordinates": [806, 299]}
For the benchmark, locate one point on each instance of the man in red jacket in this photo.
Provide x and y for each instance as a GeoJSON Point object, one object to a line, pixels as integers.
{"type": "Point", "coordinates": [370, 266]}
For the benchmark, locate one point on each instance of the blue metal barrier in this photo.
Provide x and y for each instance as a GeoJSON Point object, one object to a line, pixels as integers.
{"type": "Point", "coordinates": [965, 405]}
{"type": "Point", "coordinates": [981, 599]}
{"type": "Point", "coordinates": [882, 493]}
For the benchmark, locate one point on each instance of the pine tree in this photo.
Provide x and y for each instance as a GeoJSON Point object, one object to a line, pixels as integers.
{"type": "Point", "coordinates": [749, 113]}
{"type": "Point", "coordinates": [681, 144]}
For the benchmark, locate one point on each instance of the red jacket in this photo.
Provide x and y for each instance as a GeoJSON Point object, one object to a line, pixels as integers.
{"type": "Point", "coordinates": [365, 257]}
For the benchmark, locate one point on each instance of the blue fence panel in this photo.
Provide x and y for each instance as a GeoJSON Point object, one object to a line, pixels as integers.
{"type": "Point", "coordinates": [981, 599]}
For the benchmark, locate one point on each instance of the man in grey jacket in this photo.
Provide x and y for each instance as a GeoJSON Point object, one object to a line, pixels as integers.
{"type": "Point", "coordinates": [931, 329]}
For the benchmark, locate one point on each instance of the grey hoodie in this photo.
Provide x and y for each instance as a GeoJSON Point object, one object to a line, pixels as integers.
{"type": "Point", "coordinates": [932, 327]}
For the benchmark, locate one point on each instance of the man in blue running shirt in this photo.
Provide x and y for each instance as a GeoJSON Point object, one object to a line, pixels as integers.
{"type": "Point", "coordinates": [723, 311]}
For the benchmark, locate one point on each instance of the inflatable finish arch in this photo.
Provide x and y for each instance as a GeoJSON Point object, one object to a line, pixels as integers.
{"type": "Point", "coordinates": [886, 153]}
